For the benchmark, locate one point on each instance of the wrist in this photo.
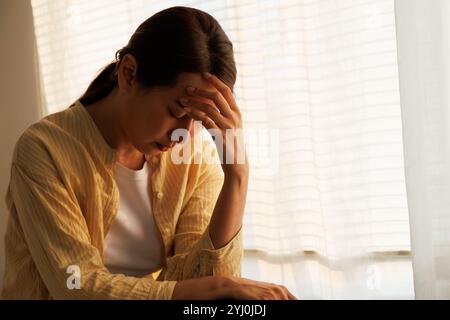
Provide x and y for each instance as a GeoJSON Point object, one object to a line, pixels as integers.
{"type": "Point", "coordinates": [220, 287]}
{"type": "Point", "coordinates": [203, 288]}
{"type": "Point", "coordinates": [224, 287]}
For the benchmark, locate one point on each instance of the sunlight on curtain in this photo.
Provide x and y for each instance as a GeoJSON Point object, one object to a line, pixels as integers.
{"type": "Point", "coordinates": [318, 85]}
{"type": "Point", "coordinates": [424, 65]}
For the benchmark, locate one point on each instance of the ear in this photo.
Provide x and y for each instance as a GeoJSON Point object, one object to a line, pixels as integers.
{"type": "Point", "coordinates": [126, 74]}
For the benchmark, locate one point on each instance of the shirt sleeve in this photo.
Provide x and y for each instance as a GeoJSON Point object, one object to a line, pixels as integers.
{"type": "Point", "coordinates": [57, 236]}
{"type": "Point", "coordinates": [194, 253]}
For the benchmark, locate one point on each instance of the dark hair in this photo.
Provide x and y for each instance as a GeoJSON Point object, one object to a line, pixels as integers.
{"type": "Point", "coordinates": [172, 41]}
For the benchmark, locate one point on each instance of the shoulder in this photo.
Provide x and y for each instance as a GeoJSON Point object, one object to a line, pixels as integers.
{"type": "Point", "coordinates": [46, 142]}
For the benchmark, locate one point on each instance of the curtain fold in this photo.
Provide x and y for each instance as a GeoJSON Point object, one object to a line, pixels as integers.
{"type": "Point", "coordinates": [327, 213]}
{"type": "Point", "coordinates": [423, 33]}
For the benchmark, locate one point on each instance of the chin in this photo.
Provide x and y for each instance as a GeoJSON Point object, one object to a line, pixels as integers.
{"type": "Point", "coordinates": [148, 149]}
{"type": "Point", "coordinates": [152, 150]}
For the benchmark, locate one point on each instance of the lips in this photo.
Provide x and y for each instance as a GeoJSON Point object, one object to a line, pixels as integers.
{"type": "Point", "coordinates": [164, 147]}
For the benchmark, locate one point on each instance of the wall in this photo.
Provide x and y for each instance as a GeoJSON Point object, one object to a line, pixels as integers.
{"type": "Point", "coordinates": [20, 101]}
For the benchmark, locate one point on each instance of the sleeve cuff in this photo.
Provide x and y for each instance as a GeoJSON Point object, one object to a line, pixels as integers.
{"type": "Point", "coordinates": [209, 246]}
{"type": "Point", "coordinates": [209, 261]}
{"type": "Point", "coordinates": [164, 290]}
{"type": "Point", "coordinates": [224, 260]}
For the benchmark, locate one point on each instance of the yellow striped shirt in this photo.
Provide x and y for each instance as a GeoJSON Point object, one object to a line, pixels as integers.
{"type": "Point", "coordinates": [62, 199]}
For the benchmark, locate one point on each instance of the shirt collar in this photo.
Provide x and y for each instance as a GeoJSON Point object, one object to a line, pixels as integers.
{"type": "Point", "coordinates": [91, 135]}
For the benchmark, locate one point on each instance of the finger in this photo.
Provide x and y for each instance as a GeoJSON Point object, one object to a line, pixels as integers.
{"type": "Point", "coordinates": [215, 96]}
{"type": "Point", "coordinates": [282, 293]}
{"type": "Point", "coordinates": [292, 297]}
{"type": "Point", "coordinates": [287, 293]}
{"type": "Point", "coordinates": [223, 88]}
{"type": "Point", "coordinates": [203, 118]}
{"type": "Point", "coordinates": [207, 109]}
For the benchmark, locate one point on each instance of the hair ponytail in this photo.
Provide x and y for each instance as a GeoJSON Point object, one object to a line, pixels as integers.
{"type": "Point", "coordinates": [101, 86]}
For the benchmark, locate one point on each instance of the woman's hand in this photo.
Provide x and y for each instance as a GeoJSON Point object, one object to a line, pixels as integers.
{"type": "Point", "coordinates": [247, 289]}
{"type": "Point", "coordinates": [220, 114]}
{"type": "Point", "coordinates": [229, 287]}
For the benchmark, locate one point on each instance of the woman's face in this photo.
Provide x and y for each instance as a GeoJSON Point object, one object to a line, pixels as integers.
{"type": "Point", "coordinates": [151, 115]}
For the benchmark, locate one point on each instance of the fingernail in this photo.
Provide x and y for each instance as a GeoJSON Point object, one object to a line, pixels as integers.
{"type": "Point", "coordinates": [207, 75]}
{"type": "Point", "coordinates": [184, 101]}
{"type": "Point", "coordinates": [190, 89]}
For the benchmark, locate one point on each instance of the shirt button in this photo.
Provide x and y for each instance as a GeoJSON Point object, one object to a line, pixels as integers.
{"type": "Point", "coordinates": [159, 195]}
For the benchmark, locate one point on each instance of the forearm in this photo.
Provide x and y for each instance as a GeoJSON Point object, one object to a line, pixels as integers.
{"type": "Point", "coordinates": [204, 288]}
{"type": "Point", "coordinates": [228, 213]}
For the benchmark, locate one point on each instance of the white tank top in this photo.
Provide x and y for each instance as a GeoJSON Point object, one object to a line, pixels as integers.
{"type": "Point", "coordinates": [133, 245]}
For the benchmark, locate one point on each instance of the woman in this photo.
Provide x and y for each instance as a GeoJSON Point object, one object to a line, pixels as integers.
{"type": "Point", "coordinates": [99, 209]}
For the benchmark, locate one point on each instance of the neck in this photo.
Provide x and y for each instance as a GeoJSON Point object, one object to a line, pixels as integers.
{"type": "Point", "coordinates": [108, 115]}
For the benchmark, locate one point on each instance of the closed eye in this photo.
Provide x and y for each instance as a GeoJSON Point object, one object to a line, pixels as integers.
{"type": "Point", "coordinates": [180, 105]}
{"type": "Point", "coordinates": [172, 114]}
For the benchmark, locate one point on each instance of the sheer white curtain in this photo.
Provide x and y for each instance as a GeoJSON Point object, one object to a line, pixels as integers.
{"type": "Point", "coordinates": [327, 213]}
{"type": "Point", "coordinates": [423, 30]}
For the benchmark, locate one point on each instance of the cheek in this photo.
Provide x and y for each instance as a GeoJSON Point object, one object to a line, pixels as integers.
{"type": "Point", "coordinates": [147, 127]}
